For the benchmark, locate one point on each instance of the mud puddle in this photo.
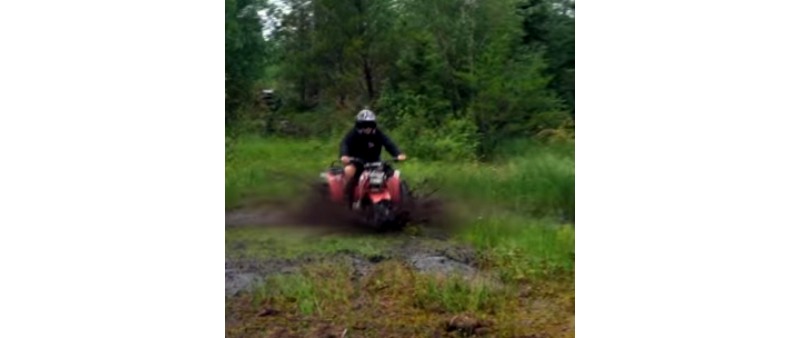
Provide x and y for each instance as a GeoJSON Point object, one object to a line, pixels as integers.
{"type": "Point", "coordinates": [424, 255]}
{"type": "Point", "coordinates": [427, 251]}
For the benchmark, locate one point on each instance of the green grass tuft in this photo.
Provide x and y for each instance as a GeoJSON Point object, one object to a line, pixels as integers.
{"type": "Point", "coordinates": [523, 249]}
{"type": "Point", "coordinates": [456, 294]}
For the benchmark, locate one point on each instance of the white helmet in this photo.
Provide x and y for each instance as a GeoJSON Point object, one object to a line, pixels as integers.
{"type": "Point", "coordinates": [366, 119]}
{"type": "Point", "coordinates": [365, 115]}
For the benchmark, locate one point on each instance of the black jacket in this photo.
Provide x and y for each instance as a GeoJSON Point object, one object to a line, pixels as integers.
{"type": "Point", "coordinates": [367, 146]}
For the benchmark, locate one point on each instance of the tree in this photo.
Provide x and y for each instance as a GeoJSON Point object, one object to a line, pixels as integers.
{"type": "Point", "coordinates": [549, 26]}
{"type": "Point", "coordinates": [494, 69]}
{"type": "Point", "coordinates": [337, 51]}
{"type": "Point", "coordinates": [244, 54]}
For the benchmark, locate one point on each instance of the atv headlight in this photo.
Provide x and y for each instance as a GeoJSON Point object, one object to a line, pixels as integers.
{"type": "Point", "coordinates": [376, 179]}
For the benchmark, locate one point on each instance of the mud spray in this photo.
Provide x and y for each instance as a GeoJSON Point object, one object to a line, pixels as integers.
{"type": "Point", "coordinates": [426, 251]}
{"type": "Point", "coordinates": [312, 209]}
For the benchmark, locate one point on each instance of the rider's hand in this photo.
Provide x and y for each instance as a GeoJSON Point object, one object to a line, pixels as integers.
{"type": "Point", "coordinates": [401, 157]}
{"type": "Point", "coordinates": [345, 159]}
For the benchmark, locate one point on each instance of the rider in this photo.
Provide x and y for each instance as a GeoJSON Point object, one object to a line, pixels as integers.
{"type": "Point", "coordinates": [364, 142]}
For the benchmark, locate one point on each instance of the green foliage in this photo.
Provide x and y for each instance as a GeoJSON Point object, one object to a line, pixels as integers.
{"type": "Point", "coordinates": [453, 140]}
{"type": "Point", "coordinates": [549, 25]}
{"type": "Point", "coordinates": [335, 52]}
{"type": "Point", "coordinates": [520, 87]}
{"type": "Point", "coordinates": [425, 135]}
{"type": "Point", "coordinates": [488, 70]}
{"type": "Point", "coordinates": [245, 54]}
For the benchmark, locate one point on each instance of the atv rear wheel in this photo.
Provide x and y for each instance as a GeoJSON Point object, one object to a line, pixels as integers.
{"type": "Point", "coordinates": [381, 216]}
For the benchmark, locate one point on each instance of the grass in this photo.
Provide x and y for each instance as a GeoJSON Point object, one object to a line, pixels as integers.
{"type": "Point", "coordinates": [539, 181]}
{"type": "Point", "coordinates": [316, 290]}
{"type": "Point", "coordinates": [262, 243]}
{"type": "Point", "coordinates": [522, 249]}
{"type": "Point", "coordinates": [257, 167]}
{"type": "Point", "coordinates": [518, 210]}
{"type": "Point", "coordinates": [538, 184]}
{"type": "Point", "coordinates": [456, 294]}
{"type": "Point", "coordinates": [394, 300]}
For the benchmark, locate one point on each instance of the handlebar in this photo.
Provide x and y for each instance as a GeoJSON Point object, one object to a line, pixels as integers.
{"type": "Point", "coordinates": [361, 161]}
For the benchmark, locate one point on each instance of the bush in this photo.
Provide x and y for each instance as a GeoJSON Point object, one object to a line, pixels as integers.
{"type": "Point", "coordinates": [423, 133]}
{"type": "Point", "coordinates": [455, 140]}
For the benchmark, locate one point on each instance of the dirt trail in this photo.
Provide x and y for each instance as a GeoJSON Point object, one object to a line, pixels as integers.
{"type": "Point", "coordinates": [423, 254]}
{"type": "Point", "coordinates": [428, 251]}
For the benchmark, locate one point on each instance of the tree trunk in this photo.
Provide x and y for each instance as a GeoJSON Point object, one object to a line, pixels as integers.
{"type": "Point", "coordinates": [368, 78]}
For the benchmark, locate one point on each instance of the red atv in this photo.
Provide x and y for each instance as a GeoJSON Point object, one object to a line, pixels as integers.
{"type": "Point", "coordinates": [381, 198]}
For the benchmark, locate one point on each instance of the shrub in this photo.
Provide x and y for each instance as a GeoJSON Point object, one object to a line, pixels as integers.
{"type": "Point", "coordinates": [423, 129]}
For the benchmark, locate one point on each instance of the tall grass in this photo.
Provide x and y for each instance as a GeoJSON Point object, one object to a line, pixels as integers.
{"type": "Point", "coordinates": [520, 196]}
{"type": "Point", "coordinates": [456, 294]}
{"type": "Point", "coordinates": [520, 248]}
{"type": "Point", "coordinates": [264, 167]}
{"type": "Point", "coordinates": [317, 289]}
{"type": "Point", "coordinates": [534, 179]}
{"type": "Point", "coordinates": [540, 182]}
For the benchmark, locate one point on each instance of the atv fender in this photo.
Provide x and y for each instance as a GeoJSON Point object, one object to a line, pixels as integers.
{"type": "Point", "coordinates": [377, 197]}
{"type": "Point", "coordinates": [335, 187]}
{"type": "Point", "coordinates": [393, 186]}
{"type": "Point", "coordinates": [361, 188]}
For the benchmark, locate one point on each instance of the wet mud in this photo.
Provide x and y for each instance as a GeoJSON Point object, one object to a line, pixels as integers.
{"type": "Point", "coordinates": [426, 251]}
{"type": "Point", "coordinates": [423, 255]}
{"type": "Point", "coordinates": [312, 209]}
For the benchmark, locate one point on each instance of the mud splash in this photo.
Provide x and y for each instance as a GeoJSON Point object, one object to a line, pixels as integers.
{"type": "Point", "coordinates": [426, 251]}
{"type": "Point", "coordinates": [312, 209]}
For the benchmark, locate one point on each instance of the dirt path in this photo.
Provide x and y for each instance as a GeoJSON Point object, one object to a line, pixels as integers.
{"type": "Point", "coordinates": [369, 292]}
{"type": "Point", "coordinates": [428, 251]}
